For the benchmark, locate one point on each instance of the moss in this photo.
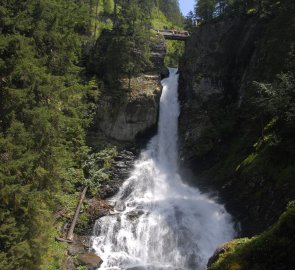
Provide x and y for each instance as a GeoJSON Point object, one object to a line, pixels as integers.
{"type": "Point", "coordinates": [82, 268]}
{"type": "Point", "coordinates": [272, 249]}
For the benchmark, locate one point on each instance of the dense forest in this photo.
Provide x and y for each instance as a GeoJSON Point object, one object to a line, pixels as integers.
{"type": "Point", "coordinates": [47, 100]}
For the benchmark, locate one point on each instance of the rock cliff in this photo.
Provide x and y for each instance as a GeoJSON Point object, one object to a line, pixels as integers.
{"type": "Point", "coordinates": [219, 127]}
{"type": "Point", "coordinates": [136, 112]}
{"type": "Point", "coordinates": [133, 116]}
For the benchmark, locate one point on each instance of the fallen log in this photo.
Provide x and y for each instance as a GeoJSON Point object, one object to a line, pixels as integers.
{"type": "Point", "coordinates": [70, 234]}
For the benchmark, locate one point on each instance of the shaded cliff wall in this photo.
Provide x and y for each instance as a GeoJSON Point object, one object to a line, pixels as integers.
{"type": "Point", "coordinates": [218, 123]}
{"type": "Point", "coordinates": [130, 113]}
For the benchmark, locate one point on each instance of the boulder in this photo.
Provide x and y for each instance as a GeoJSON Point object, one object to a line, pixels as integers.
{"type": "Point", "coordinates": [68, 263]}
{"type": "Point", "coordinates": [135, 214]}
{"type": "Point", "coordinates": [90, 260]}
{"type": "Point", "coordinates": [76, 248]}
{"type": "Point", "coordinates": [120, 206]}
{"type": "Point", "coordinates": [98, 208]}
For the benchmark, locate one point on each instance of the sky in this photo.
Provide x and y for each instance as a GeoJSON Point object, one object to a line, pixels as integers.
{"type": "Point", "coordinates": [186, 6]}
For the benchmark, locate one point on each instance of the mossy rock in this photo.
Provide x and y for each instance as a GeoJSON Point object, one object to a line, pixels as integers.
{"type": "Point", "coordinates": [270, 250]}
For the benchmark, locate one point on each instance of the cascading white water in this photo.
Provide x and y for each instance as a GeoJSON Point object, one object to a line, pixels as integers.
{"type": "Point", "coordinates": [166, 224]}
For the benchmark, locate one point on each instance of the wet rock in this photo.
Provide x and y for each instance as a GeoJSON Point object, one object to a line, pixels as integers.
{"type": "Point", "coordinates": [220, 250]}
{"type": "Point", "coordinates": [119, 172]}
{"type": "Point", "coordinates": [68, 263]}
{"type": "Point", "coordinates": [98, 208]}
{"type": "Point", "coordinates": [164, 73]}
{"type": "Point", "coordinates": [135, 214]}
{"type": "Point", "coordinates": [90, 260]}
{"type": "Point", "coordinates": [120, 206]}
{"type": "Point", "coordinates": [79, 245]}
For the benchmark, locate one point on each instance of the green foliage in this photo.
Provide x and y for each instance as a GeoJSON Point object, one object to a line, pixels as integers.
{"type": "Point", "coordinates": [125, 50]}
{"type": "Point", "coordinates": [278, 99]}
{"type": "Point", "coordinates": [51, 259]}
{"type": "Point", "coordinates": [205, 9]}
{"type": "Point", "coordinates": [108, 6]}
{"type": "Point", "coordinates": [209, 9]}
{"type": "Point", "coordinates": [43, 117]}
{"type": "Point", "coordinates": [97, 166]}
{"type": "Point", "coordinates": [171, 10]}
{"type": "Point", "coordinates": [82, 268]}
{"type": "Point", "coordinates": [159, 20]}
{"type": "Point", "coordinates": [270, 250]}
{"type": "Point", "coordinates": [175, 50]}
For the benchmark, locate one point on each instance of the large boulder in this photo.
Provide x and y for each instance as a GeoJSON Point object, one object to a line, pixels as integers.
{"type": "Point", "coordinates": [90, 260]}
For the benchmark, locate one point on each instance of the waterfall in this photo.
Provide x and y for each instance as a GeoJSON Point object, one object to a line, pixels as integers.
{"type": "Point", "coordinates": [165, 224]}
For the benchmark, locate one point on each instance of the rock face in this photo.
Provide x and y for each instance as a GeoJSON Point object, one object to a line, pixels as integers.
{"type": "Point", "coordinates": [119, 172]}
{"type": "Point", "coordinates": [212, 75]}
{"type": "Point", "coordinates": [213, 72]}
{"type": "Point", "coordinates": [158, 52]}
{"type": "Point", "coordinates": [136, 112]}
{"type": "Point", "coordinates": [129, 119]}
{"type": "Point", "coordinates": [217, 130]}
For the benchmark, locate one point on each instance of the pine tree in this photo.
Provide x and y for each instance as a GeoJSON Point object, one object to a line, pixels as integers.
{"type": "Point", "coordinates": [204, 9]}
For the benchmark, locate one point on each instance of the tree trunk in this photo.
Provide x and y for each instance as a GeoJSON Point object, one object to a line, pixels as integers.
{"type": "Point", "coordinates": [96, 13]}
{"type": "Point", "coordinates": [90, 16]}
{"type": "Point", "coordinates": [70, 235]}
{"type": "Point", "coordinates": [129, 80]}
{"type": "Point", "coordinates": [115, 14]}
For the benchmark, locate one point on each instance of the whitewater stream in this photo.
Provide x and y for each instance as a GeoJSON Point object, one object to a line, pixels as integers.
{"type": "Point", "coordinates": [166, 224]}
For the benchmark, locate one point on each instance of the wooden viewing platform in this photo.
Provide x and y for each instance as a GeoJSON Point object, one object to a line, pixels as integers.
{"type": "Point", "coordinates": [174, 34]}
